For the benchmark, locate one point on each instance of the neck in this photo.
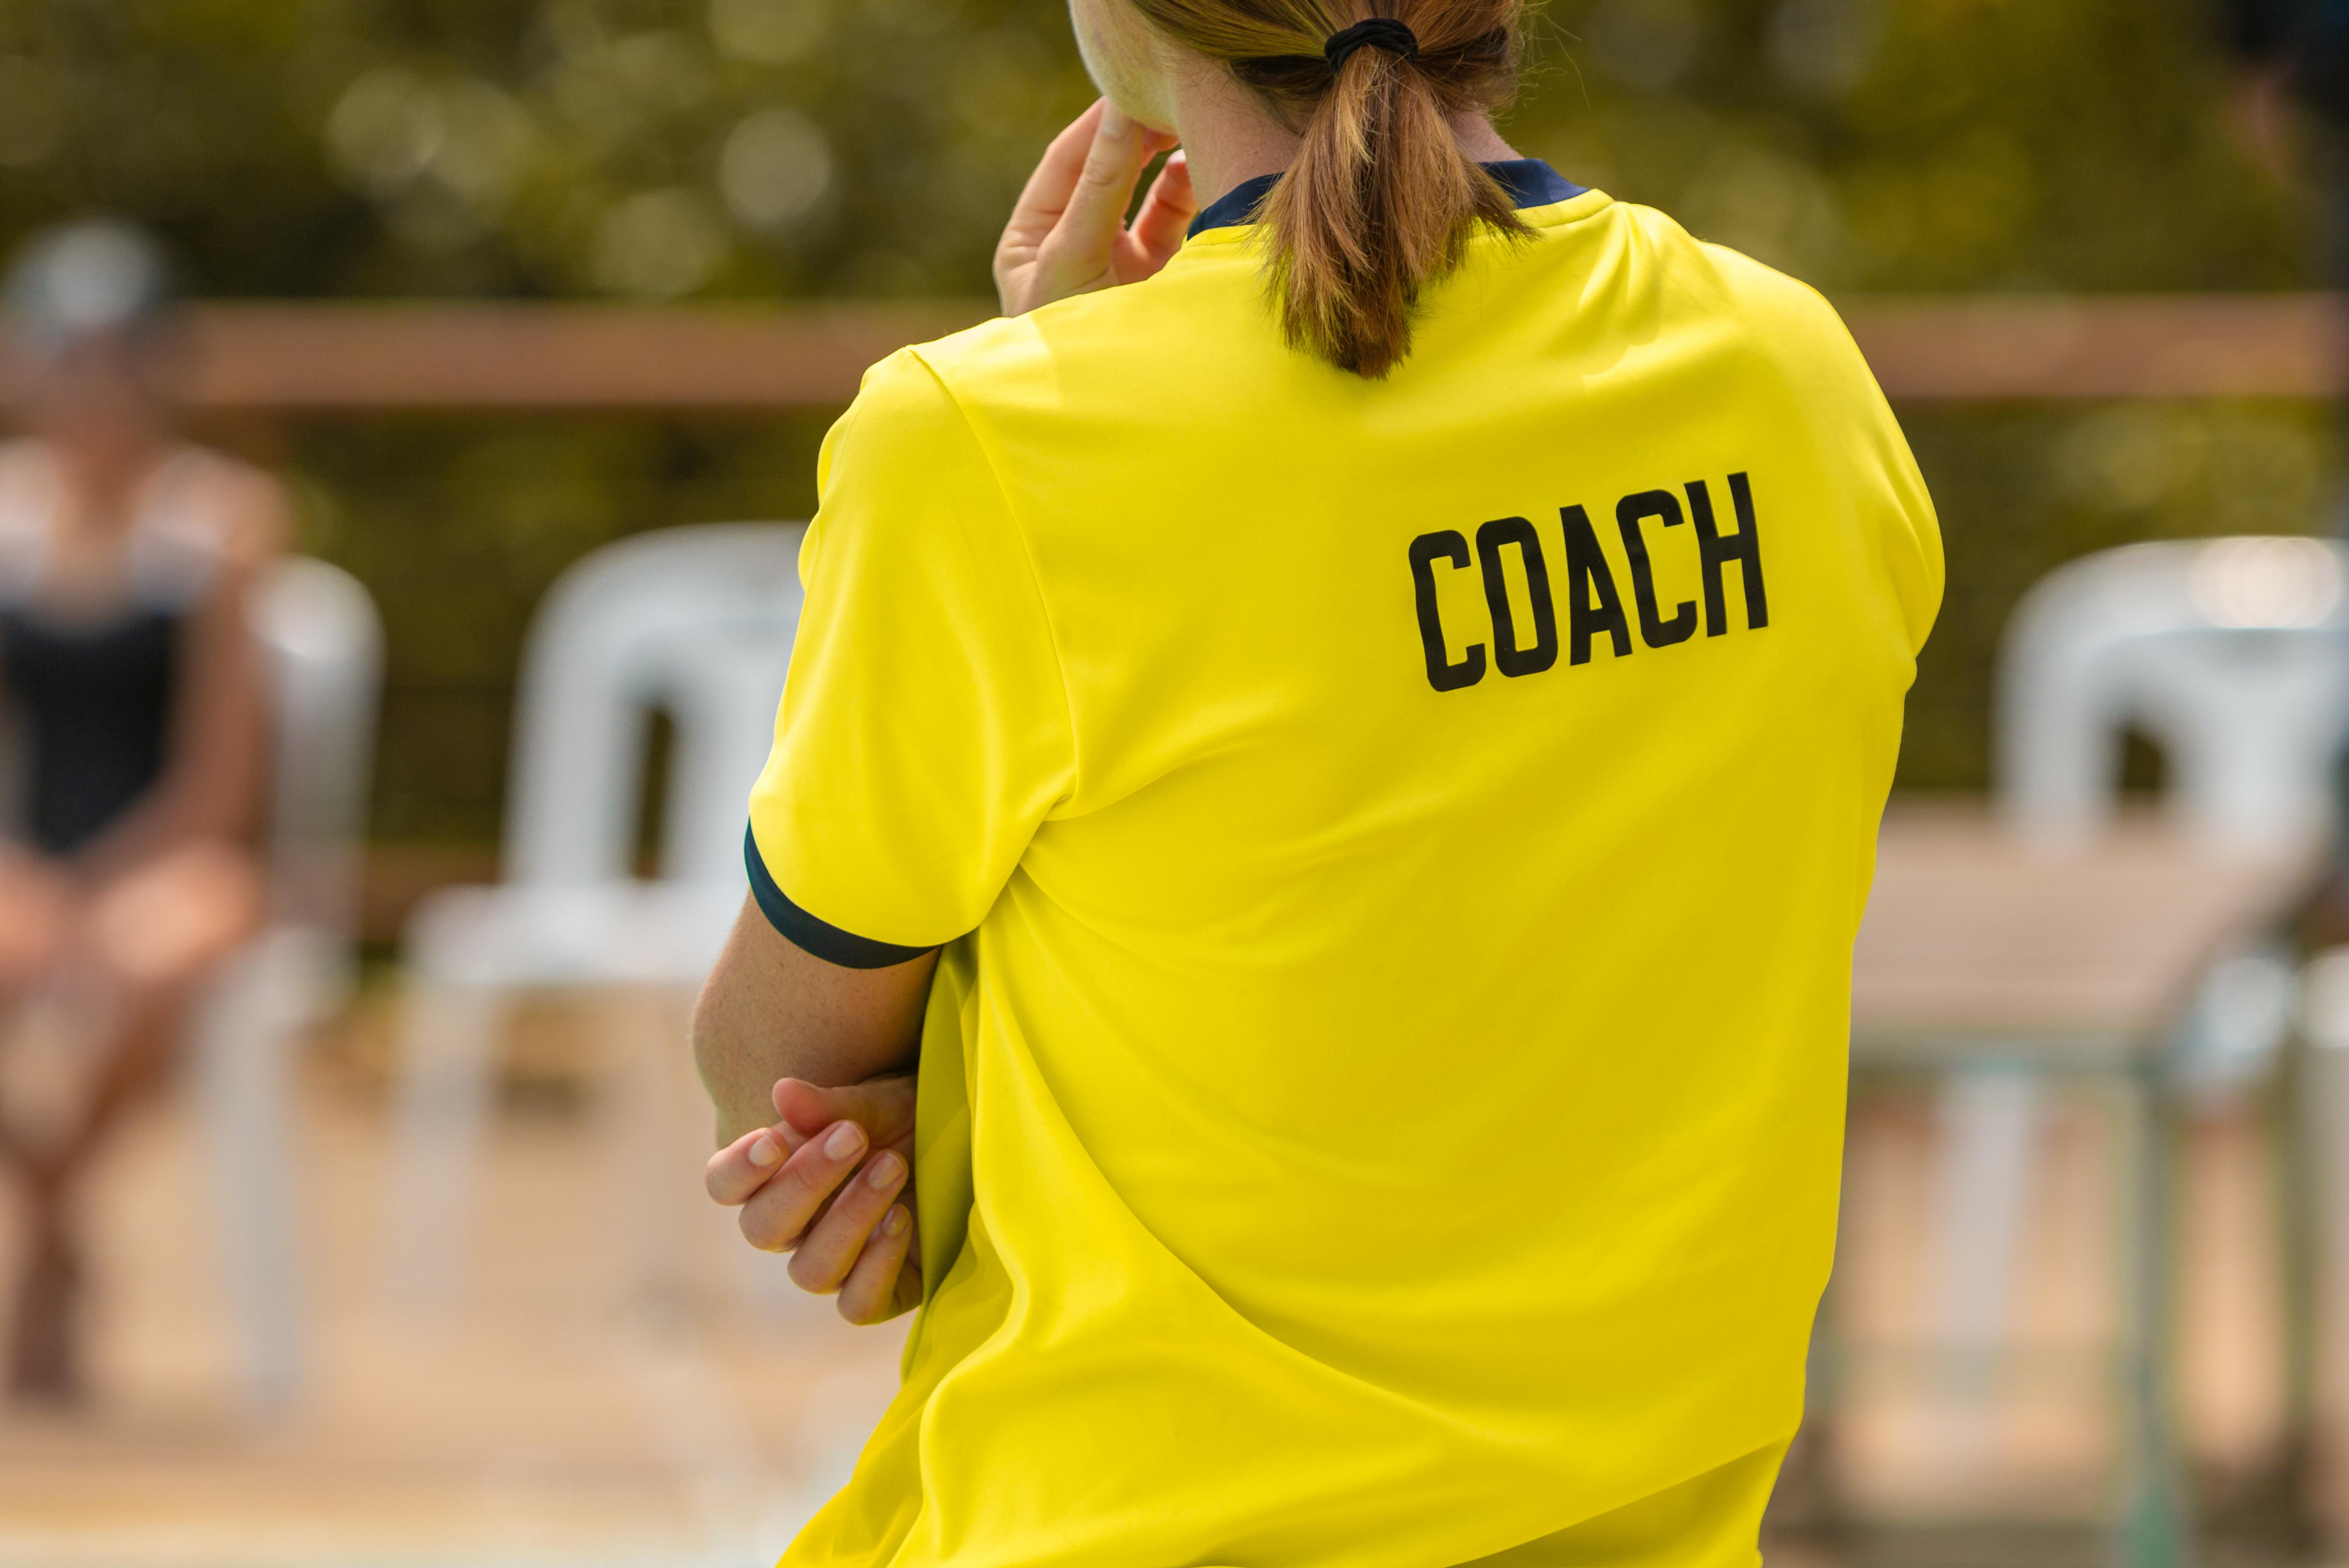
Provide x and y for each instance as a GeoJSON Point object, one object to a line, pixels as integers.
{"type": "Point", "coordinates": [1230, 138]}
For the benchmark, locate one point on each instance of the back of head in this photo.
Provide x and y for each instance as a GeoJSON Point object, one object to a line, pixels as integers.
{"type": "Point", "coordinates": [1381, 199]}
{"type": "Point", "coordinates": [94, 278]}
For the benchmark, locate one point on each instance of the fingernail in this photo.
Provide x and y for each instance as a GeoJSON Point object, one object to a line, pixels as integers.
{"type": "Point", "coordinates": [845, 1139]}
{"type": "Point", "coordinates": [886, 1171]}
{"type": "Point", "coordinates": [1115, 121]}
{"type": "Point", "coordinates": [764, 1149]}
{"type": "Point", "coordinates": [894, 1221]}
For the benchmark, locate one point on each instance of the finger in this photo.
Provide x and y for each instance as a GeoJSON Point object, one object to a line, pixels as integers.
{"type": "Point", "coordinates": [870, 1292]}
{"type": "Point", "coordinates": [829, 1250]}
{"type": "Point", "coordinates": [909, 1275]}
{"type": "Point", "coordinates": [776, 1215]}
{"type": "Point", "coordinates": [798, 1111]}
{"type": "Point", "coordinates": [1046, 194]}
{"type": "Point", "coordinates": [1095, 214]}
{"type": "Point", "coordinates": [1168, 212]}
{"type": "Point", "coordinates": [743, 1166]}
{"type": "Point", "coordinates": [883, 1108]}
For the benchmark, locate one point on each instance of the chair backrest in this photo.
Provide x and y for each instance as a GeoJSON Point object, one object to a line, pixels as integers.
{"type": "Point", "coordinates": [325, 644]}
{"type": "Point", "coordinates": [2231, 655]}
{"type": "Point", "coordinates": [697, 621]}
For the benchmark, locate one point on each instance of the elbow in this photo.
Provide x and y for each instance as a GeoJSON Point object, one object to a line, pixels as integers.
{"type": "Point", "coordinates": [702, 1039]}
{"type": "Point", "coordinates": [725, 1075]}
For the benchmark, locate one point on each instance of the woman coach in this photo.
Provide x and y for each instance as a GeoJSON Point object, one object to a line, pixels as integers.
{"type": "Point", "coordinates": [1347, 748]}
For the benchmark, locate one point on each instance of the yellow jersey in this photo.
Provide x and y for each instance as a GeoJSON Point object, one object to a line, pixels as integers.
{"type": "Point", "coordinates": [1397, 846]}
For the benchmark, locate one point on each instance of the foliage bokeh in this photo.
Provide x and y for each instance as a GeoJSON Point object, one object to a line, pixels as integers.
{"type": "Point", "coordinates": [748, 149]}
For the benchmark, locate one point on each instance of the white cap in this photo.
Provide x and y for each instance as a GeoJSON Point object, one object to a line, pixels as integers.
{"type": "Point", "coordinates": [98, 275]}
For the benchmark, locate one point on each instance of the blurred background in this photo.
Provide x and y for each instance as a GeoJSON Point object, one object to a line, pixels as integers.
{"type": "Point", "coordinates": [406, 1265]}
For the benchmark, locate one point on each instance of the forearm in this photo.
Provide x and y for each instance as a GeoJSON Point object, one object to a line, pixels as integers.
{"type": "Point", "coordinates": [771, 1011]}
{"type": "Point", "coordinates": [172, 815]}
{"type": "Point", "coordinates": [743, 1049]}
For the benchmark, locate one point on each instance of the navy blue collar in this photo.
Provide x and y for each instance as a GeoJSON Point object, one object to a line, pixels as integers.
{"type": "Point", "coordinates": [1529, 182]}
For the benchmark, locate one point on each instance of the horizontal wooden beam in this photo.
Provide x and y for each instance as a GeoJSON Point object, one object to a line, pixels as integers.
{"type": "Point", "coordinates": [371, 357]}
{"type": "Point", "coordinates": [1998, 349]}
{"type": "Point", "coordinates": [363, 358]}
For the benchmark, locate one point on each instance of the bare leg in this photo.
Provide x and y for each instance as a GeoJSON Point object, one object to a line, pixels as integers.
{"type": "Point", "coordinates": [44, 1363]}
{"type": "Point", "coordinates": [36, 914]}
{"type": "Point", "coordinates": [43, 1360]}
{"type": "Point", "coordinates": [152, 939]}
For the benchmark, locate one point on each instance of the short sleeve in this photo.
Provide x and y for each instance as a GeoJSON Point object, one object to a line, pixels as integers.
{"type": "Point", "coordinates": [1907, 530]}
{"type": "Point", "coordinates": [1919, 573]}
{"type": "Point", "coordinates": [1837, 385]}
{"type": "Point", "coordinates": [923, 732]}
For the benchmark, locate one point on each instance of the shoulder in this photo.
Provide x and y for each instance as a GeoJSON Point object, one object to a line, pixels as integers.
{"type": "Point", "coordinates": [913, 528]}
{"type": "Point", "coordinates": [1797, 345]}
{"type": "Point", "coordinates": [1782, 313]}
{"type": "Point", "coordinates": [28, 480]}
{"type": "Point", "coordinates": [903, 466]}
{"type": "Point", "coordinates": [987, 364]}
{"type": "Point", "coordinates": [905, 422]}
{"type": "Point", "coordinates": [234, 511]}
{"type": "Point", "coordinates": [1761, 307]}
{"type": "Point", "coordinates": [933, 410]}
{"type": "Point", "coordinates": [1040, 358]}
{"type": "Point", "coordinates": [22, 462]}
{"type": "Point", "coordinates": [1713, 277]}
{"type": "Point", "coordinates": [29, 496]}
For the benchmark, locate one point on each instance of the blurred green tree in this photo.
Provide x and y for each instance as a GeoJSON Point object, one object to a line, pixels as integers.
{"type": "Point", "coordinates": [674, 148]}
{"type": "Point", "coordinates": [704, 148]}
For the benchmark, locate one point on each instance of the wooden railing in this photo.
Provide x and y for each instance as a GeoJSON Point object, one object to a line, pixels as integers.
{"type": "Point", "coordinates": [310, 360]}
{"type": "Point", "coordinates": [360, 358]}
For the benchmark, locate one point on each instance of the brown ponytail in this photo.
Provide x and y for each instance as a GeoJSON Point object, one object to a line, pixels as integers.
{"type": "Point", "coordinates": [1382, 201]}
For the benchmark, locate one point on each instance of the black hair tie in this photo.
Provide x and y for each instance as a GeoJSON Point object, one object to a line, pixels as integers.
{"type": "Point", "coordinates": [1377, 33]}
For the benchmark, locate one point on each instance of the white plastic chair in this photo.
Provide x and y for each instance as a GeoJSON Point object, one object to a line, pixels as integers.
{"type": "Point", "coordinates": [697, 621]}
{"type": "Point", "coordinates": [2231, 655]}
{"type": "Point", "coordinates": [325, 645]}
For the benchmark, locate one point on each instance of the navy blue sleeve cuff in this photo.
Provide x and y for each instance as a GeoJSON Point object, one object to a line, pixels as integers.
{"type": "Point", "coordinates": [818, 938]}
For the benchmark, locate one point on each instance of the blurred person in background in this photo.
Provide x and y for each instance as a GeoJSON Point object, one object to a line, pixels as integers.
{"type": "Point", "coordinates": [2292, 62]}
{"type": "Point", "coordinates": [2291, 51]}
{"type": "Point", "coordinates": [133, 694]}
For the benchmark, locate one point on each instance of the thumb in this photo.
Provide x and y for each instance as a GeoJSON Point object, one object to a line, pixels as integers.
{"type": "Point", "coordinates": [883, 1108]}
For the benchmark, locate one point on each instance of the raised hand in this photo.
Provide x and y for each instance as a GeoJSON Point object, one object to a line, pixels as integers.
{"type": "Point", "coordinates": [1068, 235]}
{"type": "Point", "coordinates": [824, 1184]}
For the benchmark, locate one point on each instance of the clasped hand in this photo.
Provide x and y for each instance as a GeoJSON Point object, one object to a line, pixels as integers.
{"type": "Point", "coordinates": [824, 1183]}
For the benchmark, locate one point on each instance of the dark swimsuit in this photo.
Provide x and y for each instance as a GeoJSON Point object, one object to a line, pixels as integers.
{"type": "Point", "coordinates": [90, 697]}
{"type": "Point", "coordinates": [93, 701]}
